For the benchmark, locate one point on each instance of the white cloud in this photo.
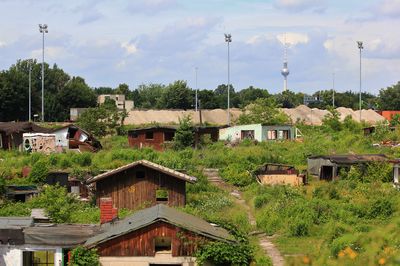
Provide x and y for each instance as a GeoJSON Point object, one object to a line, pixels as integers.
{"type": "Point", "coordinates": [50, 53]}
{"type": "Point", "coordinates": [2, 44]}
{"type": "Point", "coordinates": [390, 8]}
{"type": "Point", "coordinates": [129, 48]}
{"type": "Point", "coordinates": [300, 5]}
{"type": "Point", "coordinates": [293, 38]}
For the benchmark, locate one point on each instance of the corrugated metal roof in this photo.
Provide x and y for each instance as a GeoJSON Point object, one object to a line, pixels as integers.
{"type": "Point", "coordinates": [352, 158]}
{"type": "Point", "coordinates": [65, 235]}
{"type": "Point", "coordinates": [145, 163]}
{"type": "Point", "coordinates": [157, 213]}
{"type": "Point", "coordinates": [15, 222]}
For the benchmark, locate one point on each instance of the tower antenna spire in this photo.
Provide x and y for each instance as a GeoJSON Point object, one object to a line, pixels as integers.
{"type": "Point", "coordinates": [285, 69]}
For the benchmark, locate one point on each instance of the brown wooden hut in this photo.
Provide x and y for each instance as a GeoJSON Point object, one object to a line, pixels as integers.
{"type": "Point", "coordinates": [155, 236]}
{"type": "Point", "coordinates": [11, 133]}
{"type": "Point", "coordinates": [142, 183]}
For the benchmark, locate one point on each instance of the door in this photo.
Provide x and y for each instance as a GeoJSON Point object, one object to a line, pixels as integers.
{"type": "Point", "coordinates": [326, 173]}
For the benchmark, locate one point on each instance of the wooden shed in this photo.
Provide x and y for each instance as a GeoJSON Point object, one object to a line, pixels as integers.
{"type": "Point", "coordinates": [158, 235]}
{"type": "Point", "coordinates": [141, 184]}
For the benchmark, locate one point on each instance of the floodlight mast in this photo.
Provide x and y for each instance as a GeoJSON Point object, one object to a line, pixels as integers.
{"type": "Point", "coordinates": [360, 47]}
{"type": "Point", "coordinates": [228, 39]}
{"type": "Point", "coordinates": [43, 29]}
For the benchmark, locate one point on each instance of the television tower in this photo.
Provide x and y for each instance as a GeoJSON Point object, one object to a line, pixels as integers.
{"type": "Point", "coordinates": [285, 69]}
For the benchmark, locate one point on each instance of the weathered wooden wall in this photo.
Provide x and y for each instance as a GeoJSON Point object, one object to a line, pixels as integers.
{"type": "Point", "coordinates": [141, 242]}
{"type": "Point", "coordinates": [141, 141]}
{"type": "Point", "coordinates": [128, 191]}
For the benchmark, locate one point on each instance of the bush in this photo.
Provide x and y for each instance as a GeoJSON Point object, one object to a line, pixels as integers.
{"type": "Point", "coordinates": [81, 256]}
{"type": "Point", "coordinates": [299, 227]}
{"type": "Point", "coordinates": [82, 159]}
{"type": "Point", "coordinates": [237, 174]}
{"type": "Point", "coordinates": [381, 208]}
{"type": "Point", "coordinates": [39, 172]}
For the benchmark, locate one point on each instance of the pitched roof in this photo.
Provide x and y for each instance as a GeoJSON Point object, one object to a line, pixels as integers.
{"type": "Point", "coordinates": [353, 158]}
{"type": "Point", "coordinates": [15, 222]}
{"type": "Point", "coordinates": [158, 213]}
{"type": "Point", "coordinates": [145, 163]}
{"type": "Point", "coordinates": [66, 235]}
{"type": "Point", "coordinates": [22, 127]}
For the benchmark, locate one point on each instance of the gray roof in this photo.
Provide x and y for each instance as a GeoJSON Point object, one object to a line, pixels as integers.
{"type": "Point", "coordinates": [145, 163]}
{"type": "Point", "coordinates": [15, 222]}
{"type": "Point", "coordinates": [352, 158]}
{"type": "Point", "coordinates": [65, 235]}
{"type": "Point", "coordinates": [157, 213]}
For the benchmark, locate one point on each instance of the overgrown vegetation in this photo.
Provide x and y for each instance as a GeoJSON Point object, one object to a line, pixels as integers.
{"type": "Point", "coordinates": [81, 256]}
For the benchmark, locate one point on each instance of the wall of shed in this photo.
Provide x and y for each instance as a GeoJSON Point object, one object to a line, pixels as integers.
{"type": "Point", "coordinates": [12, 256]}
{"type": "Point", "coordinates": [146, 261]}
{"type": "Point", "coordinates": [265, 129]}
{"type": "Point", "coordinates": [314, 166]}
{"type": "Point", "coordinates": [234, 133]}
{"type": "Point", "coordinates": [129, 192]}
{"type": "Point", "coordinates": [141, 242]}
{"type": "Point", "coordinates": [292, 180]}
{"type": "Point", "coordinates": [61, 137]}
{"type": "Point", "coordinates": [157, 142]}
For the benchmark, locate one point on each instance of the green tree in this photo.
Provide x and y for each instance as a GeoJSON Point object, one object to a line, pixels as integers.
{"type": "Point", "coordinates": [289, 99]}
{"type": "Point", "coordinates": [184, 134]}
{"type": "Point", "coordinates": [264, 111]}
{"type": "Point", "coordinates": [149, 96]}
{"type": "Point", "coordinates": [389, 98]}
{"type": "Point", "coordinates": [177, 95]}
{"type": "Point", "coordinates": [251, 94]}
{"type": "Point", "coordinates": [39, 172]}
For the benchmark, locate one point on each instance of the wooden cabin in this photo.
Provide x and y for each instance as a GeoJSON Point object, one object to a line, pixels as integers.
{"type": "Point", "coordinates": [161, 137]}
{"type": "Point", "coordinates": [159, 235]}
{"type": "Point", "coordinates": [279, 174]}
{"type": "Point", "coordinates": [142, 184]}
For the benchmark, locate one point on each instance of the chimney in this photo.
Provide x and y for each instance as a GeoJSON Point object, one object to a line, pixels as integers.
{"type": "Point", "coordinates": [107, 212]}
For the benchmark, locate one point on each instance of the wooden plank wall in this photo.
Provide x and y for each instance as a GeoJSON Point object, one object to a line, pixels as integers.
{"type": "Point", "coordinates": [156, 143]}
{"type": "Point", "coordinates": [141, 242]}
{"type": "Point", "coordinates": [132, 193]}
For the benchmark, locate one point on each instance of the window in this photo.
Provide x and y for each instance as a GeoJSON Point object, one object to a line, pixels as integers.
{"type": "Point", "coordinates": [140, 174]}
{"type": "Point", "coordinates": [161, 195]}
{"type": "Point", "coordinates": [134, 135]}
{"type": "Point", "coordinates": [271, 134]}
{"type": "Point", "coordinates": [247, 134]}
{"type": "Point", "coordinates": [149, 135]}
{"type": "Point", "coordinates": [169, 136]}
{"type": "Point", "coordinates": [38, 258]}
{"type": "Point", "coordinates": [162, 244]}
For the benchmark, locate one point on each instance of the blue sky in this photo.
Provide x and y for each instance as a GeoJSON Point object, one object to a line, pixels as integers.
{"type": "Point", "coordinates": [158, 41]}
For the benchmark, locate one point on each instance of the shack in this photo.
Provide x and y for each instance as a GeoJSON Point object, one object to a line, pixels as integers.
{"type": "Point", "coordinates": [72, 137]}
{"type": "Point", "coordinates": [328, 167]}
{"type": "Point", "coordinates": [21, 193]}
{"type": "Point", "coordinates": [279, 174]}
{"type": "Point", "coordinates": [259, 132]}
{"type": "Point", "coordinates": [39, 142]}
{"type": "Point", "coordinates": [142, 183]}
{"type": "Point", "coordinates": [159, 235]}
{"type": "Point", "coordinates": [161, 137]}
{"type": "Point", "coordinates": [11, 133]}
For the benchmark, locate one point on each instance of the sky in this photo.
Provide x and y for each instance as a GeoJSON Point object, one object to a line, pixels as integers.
{"type": "Point", "coordinates": [108, 42]}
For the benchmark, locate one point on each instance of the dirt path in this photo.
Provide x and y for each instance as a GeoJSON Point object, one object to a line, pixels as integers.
{"type": "Point", "coordinates": [264, 241]}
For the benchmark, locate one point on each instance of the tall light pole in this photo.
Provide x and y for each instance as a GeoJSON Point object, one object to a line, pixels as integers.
{"type": "Point", "coordinates": [228, 39]}
{"type": "Point", "coordinates": [30, 90]}
{"type": "Point", "coordinates": [43, 29]}
{"type": "Point", "coordinates": [333, 89]}
{"type": "Point", "coordinates": [360, 47]}
{"type": "Point", "coordinates": [195, 69]}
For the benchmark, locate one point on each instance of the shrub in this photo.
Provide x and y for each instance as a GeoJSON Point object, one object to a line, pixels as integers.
{"type": "Point", "coordinates": [84, 159]}
{"type": "Point", "coordinates": [237, 174]}
{"type": "Point", "coordinates": [381, 208]}
{"type": "Point", "coordinates": [348, 240]}
{"type": "Point", "coordinates": [81, 256]}
{"type": "Point", "coordinates": [299, 227]}
{"type": "Point", "coordinates": [39, 172]}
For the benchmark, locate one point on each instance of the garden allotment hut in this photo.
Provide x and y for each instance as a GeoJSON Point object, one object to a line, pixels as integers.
{"type": "Point", "coordinates": [142, 183]}
{"type": "Point", "coordinates": [159, 235]}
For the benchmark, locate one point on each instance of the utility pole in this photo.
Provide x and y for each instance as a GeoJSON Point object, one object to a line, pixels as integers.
{"type": "Point", "coordinates": [228, 39]}
{"type": "Point", "coordinates": [333, 89]}
{"type": "Point", "coordinates": [197, 100]}
{"type": "Point", "coordinates": [360, 47]}
{"type": "Point", "coordinates": [43, 29]}
{"type": "Point", "coordinates": [30, 90]}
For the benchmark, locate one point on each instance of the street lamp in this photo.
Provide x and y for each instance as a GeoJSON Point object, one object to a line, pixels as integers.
{"type": "Point", "coordinates": [360, 47]}
{"type": "Point", "coordinates": [30, 90]}
{"type": "Point", "coordinates": [228, 39]}
{"type": "Point", "coordinates": [43, 29]}
{"type": "Point", "coordinates": [195, 69]}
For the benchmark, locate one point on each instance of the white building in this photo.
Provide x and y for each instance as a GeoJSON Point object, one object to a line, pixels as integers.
{"type": "Point", "coordinates": [119, 99]}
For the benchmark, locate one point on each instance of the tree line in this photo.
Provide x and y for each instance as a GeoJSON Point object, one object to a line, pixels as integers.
{"type": "Point", "coordinates": [63, 92]}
